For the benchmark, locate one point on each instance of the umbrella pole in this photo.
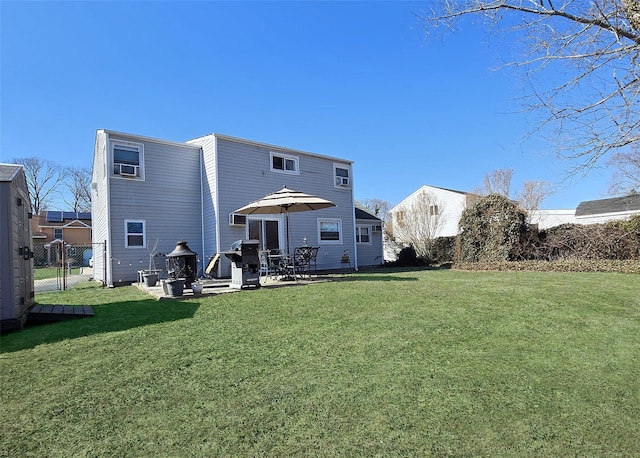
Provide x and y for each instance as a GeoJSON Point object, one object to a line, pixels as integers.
{"type": "Point", "coordinates": [286, 223]}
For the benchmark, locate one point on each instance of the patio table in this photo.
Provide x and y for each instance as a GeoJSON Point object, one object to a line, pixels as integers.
{"type": "Point", "coordinates": [285, 265]}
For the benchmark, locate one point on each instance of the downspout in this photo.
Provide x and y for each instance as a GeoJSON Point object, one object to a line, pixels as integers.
{"type": "Point", "coordinates": [201, 153]}
{"type": "Point", "coordinates": [353, 214]}
{"type": "Point", "coordinates": [216, 210]}
{"type": "Point", "coordinates": [107, 161]}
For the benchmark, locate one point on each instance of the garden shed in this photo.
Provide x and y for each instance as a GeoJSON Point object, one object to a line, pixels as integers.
{"type": "Point", "coordinates": [16, 255]}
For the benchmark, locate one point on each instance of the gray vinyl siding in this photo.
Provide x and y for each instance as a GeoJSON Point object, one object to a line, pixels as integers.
{"type": "Point", "coordinates": [245, 175]}
{"type": "Point", "coordinates": [209, 196]}
{"type": "Point", "coordinates": [370, 254]}
{"type": "Point", "coordinates": [99, 206]}
{"type": "Point", "coordinates": [168, 200]}
{"type": "Point", "coordinates": [189, 190]}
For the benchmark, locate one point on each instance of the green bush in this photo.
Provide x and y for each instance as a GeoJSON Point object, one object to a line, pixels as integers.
{"type": "Point", "coordinates": [408, 258]}
{"type": "Point", "coordinates": [444, 250]}
{"type": "Point", "coordinates": [493, 228]}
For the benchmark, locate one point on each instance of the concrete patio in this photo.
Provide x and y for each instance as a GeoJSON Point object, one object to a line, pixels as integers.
{"type": "Point", "coordinates": [222, 286]}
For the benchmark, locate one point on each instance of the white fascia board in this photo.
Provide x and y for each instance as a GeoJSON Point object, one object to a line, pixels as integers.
{"type": "Point", "coordinates": [276, 147]}
{"type": "Point", "coordinates": [142, 138]}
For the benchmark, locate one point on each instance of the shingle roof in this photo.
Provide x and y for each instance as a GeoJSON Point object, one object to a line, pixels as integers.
{"type": "Point", "coordinates": [363, 214]}
{"type": "Point", "coordinates": [8, 171]}
{"type": "Point", "coordinates": [613, 205]}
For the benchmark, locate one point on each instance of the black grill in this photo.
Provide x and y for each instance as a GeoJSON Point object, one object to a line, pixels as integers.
{"type": "Point", "coordinates": [245, 265]}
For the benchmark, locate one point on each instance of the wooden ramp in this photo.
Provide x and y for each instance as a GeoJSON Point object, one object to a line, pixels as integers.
{"type": "Point", "coordinates": [47, 313]}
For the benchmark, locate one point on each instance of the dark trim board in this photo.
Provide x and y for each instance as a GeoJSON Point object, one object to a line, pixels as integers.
{"type": "Point", "coordinates": [48, 313]}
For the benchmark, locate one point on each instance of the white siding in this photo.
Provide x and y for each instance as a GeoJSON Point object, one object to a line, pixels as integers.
{"type": "Point", "coordinates": [451, 205]}
{"type": "Point", "coordinates": [546, 219]}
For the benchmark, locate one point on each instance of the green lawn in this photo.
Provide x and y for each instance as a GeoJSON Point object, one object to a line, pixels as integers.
{"type": "Point", "coordinates": [42, 273]}
{"type": "Point", "coordinates": [413, 363]}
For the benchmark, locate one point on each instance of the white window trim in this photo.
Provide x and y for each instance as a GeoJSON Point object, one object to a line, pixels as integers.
{"type": "Point", "coordinates": [139, 147]}
{"type": "Point", "coordinates": [330, 242]}
{"type": "Point", "coordinates": [359, 234]}
{"type": "Point", "coordinates": [144, 233]}
{"type": "Point", "coordinates": [284, 156]}
{"type": "Point", "coordinates": [336, 184]}
{"type": "Point", "coordinates": [61, 233]}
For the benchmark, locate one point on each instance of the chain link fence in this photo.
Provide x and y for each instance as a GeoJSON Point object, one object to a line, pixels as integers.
{"type": "Point", "coordinates": [59, 265]}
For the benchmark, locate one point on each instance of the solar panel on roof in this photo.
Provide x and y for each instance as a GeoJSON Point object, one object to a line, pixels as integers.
{"type": "Point", "coordinates": [54, 217]}
{"type": "Point", "coordinates": [70, 215]}
{"type": "Point", "coordinates": [84, 215]}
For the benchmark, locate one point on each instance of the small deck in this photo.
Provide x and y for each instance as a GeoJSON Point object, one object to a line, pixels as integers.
{"type": "Point", "coordinates": [49, 313]}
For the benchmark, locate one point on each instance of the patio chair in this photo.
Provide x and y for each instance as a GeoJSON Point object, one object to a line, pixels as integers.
{"type": "Point", "coordinates": [301, 261]}
{"type": "Point", "coordinates": [268, 268]}
{"type": "Point", "coordinates": [313, 260]}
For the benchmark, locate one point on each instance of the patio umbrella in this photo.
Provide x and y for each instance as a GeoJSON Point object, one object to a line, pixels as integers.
{"type": "Point", "coordinates": [285, 201]}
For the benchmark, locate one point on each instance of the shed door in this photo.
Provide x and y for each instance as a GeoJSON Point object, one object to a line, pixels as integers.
{"type": "Point", "coordinates": [25, 263]}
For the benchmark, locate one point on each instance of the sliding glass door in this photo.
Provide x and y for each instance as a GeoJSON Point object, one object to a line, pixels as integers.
{"type": "Point", "coordinates": [267, 231]}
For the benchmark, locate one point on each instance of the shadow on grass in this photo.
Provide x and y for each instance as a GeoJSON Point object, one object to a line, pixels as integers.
{"type": "Point", "coordinates": [374, 277]}
{"type": "Point", "coordinates": [379, 273]}
{"type": "Point", "coordinates": [110, 317]}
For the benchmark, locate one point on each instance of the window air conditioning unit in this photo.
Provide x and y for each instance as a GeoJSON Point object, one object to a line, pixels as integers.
{"type": "Point", "coordinates": [237, 220]}
{"type": "Point", "coordinates": [128, 170]}
{"type": "Point", "coordinates": [342, 181]}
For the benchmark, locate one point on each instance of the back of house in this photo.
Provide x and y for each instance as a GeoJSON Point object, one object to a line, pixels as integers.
{"type": "Point", "coordinates": [147, 194]}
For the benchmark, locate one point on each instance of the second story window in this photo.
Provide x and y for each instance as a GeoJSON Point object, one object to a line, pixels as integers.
{"type": "Point", "coordinates": [128, 160]}
{"type": "Point", "coordinates": [284, 163]}
{"type": "Point", "coordinates": [57, 233]}
{"type": "Point", "coordinates": [342, 176]}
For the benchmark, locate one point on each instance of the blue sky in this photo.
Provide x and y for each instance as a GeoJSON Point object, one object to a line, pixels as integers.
{"type": "Point", "coordinates": [356, 80]}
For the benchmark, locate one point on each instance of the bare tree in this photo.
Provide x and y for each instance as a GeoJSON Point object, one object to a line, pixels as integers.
{"type": "Point", "coordinates": [497, 182]}
{"type": "Point", "coordinates": [529, 198]}
{"type": "Point", "coordinates": [420, 223]}
{"type": "Point", "coordinates": [626, 179]}
{"type": "Point", "coordinates": [78, 184]}
{"type": "Point", "coordinates": [377, 207]}
{"type": "Point", "coordinates": [581, 61]}
{"type": "Point", "coordinates": [532, 195]}
{"type": "Point", "coordinates": [44, 178]}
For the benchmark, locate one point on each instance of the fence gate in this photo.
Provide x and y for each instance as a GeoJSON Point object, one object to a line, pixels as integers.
{"type": "Point", "coordinates": [59, 266]}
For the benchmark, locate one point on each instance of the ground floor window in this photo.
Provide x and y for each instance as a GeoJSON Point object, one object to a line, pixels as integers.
{"type": "Point", "coordinates": [363, 234]}
{"type": "Point", "coordinates": [135, 236]}
{"type": "Point", "coordinates": [330, 230]}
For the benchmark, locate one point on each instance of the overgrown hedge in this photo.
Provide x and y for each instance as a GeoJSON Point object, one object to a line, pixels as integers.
{"type": "Point", "coordinates": [566, 265]}
{"type": "Point", "coordinates": [491, 229]}
{"type": "Point", "coordinates": [494, 235]}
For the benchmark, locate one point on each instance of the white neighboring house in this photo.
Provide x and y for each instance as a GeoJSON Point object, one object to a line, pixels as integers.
{"type": "Point", "coordinates": [546, 219]}
{"type": "Point", "coordinates": [446, 204]}
{"type": "Point", "coordinates": [604, 210]}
